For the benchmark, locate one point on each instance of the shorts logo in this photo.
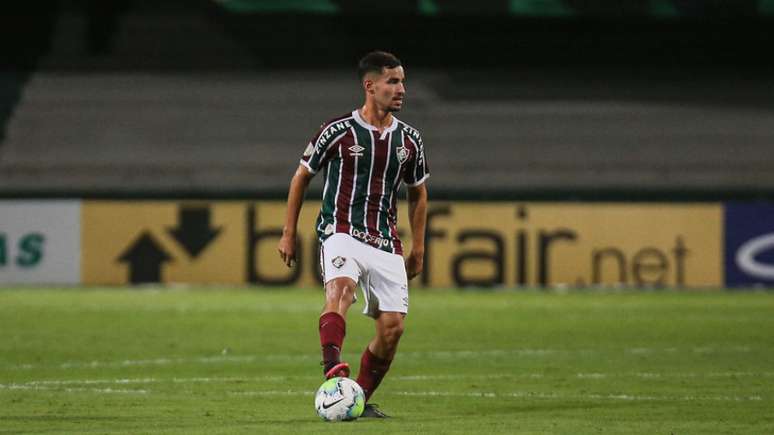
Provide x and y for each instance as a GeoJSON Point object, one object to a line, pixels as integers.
{"type": "Point", "coordinates": [338, 262]}
{"type": "Point", "coordinates": [368, 238]}
{"type": "Point", "coordinates": [357, 151]}
{"type": "Point", "coordinates": [329, 229]}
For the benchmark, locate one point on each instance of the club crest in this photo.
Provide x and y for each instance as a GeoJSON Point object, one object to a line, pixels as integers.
{"type": "Point", "coordinates": [338, 262]}
{"type": "Point", "coordinates": [402, 154]}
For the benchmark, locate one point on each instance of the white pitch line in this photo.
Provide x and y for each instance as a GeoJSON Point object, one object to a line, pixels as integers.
{"type": "Point", "coordinates": [523, 395]}
{"type": "Point", "coordinates": [648, 375]}
{"type": "Point", "coordinates": [157, 362]}
{"type": "Point", "coordinates": [89, 382]}
{"type": "Point", "coordinates": [45, 384]}
{"type": "Point", "coordinates": [25, 387]}
{"type": "Point", "coordinates": [626, 397]}
{"type": "Point", "coordinates": [272, 393]}
{"type": "Point", "coordinates": [51, 385]}
{"type": "Point", "coordinates": [105, 391]}
{"type": "Point", "coordinates": [452, 354]}
{"type": "Point", "coordinates": [405, 378]}
{"type": "Point", "coordinates": [462, 376]}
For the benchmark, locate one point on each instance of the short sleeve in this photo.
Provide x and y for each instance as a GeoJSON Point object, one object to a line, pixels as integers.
{"type": "Point", "coordinates": [417, 170]}
{"type": "Point", "coordinates": [316, 154]}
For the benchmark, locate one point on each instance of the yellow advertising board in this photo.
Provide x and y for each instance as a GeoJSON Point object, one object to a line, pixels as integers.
{"type": "Point", "coordinates": [468, 244]}
{"type": "Point", "coordinates": [562, 244]}
{"type": "Point", "coordinates": [153, 241]}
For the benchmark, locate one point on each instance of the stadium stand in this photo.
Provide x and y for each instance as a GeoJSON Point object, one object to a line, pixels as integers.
{"type": "Point", "coordinates": [214, 133]}
{"type": "Point", "coordinates": [177, 104]}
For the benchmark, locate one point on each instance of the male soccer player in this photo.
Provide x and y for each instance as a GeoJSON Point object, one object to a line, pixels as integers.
{"type": "Point", "coordinates": [366, 155]}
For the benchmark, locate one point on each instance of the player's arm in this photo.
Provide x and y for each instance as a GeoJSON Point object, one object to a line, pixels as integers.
{"type": "Point", "coordinates": [298, 185]}
{"type": "Point", "coordinates": [417, 210]}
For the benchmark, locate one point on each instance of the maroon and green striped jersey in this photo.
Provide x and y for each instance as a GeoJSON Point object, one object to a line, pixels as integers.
{"type": "Point", "coordinates": [363, 172]}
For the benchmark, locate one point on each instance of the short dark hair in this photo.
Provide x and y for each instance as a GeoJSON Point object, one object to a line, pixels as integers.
{"type": "Point", "coordinates": [375, 61]}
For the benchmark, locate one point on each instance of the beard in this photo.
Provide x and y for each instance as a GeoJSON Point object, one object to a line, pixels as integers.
{"type": "Point", "coordinates": [394, 108]}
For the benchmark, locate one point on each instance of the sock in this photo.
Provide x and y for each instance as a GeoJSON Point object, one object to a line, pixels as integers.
{"type": "Point", "coordinates": [332, 331]}
{"type": "Point", "coordinates": [372, 371]}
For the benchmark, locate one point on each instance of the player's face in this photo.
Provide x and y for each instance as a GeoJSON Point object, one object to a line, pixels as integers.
{"type": "Point", "coordinates": [389, 89]}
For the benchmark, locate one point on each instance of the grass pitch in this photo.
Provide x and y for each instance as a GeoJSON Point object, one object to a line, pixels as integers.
{"type": "Point", "coordinates": [227, 361]}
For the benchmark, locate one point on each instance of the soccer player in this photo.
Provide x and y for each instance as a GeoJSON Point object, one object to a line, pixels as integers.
{"type": "Point", "coordinates": [366, 155]}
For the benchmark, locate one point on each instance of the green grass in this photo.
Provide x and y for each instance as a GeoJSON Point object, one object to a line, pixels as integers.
{"type": "Point", "coordinates": [226, 361]}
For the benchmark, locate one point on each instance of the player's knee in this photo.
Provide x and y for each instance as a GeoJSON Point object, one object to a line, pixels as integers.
{"type": "Point", "coordinates": [340, 290]}
{"type": "Point", "coordinates": [391, 334]}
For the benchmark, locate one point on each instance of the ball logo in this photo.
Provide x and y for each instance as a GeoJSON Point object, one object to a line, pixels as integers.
{"type": "Point", "coordinates": [745, 256]}
{"type": "Point", "coordinates": [338, 262]}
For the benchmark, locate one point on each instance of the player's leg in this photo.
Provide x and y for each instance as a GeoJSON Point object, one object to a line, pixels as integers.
{"type": "Point", "coordinates": [341, 274]}
{"type": "Point", "coordinates": [387, 302]}
{"type": "Point", "coordinates": [378, 356]}
{"type": "Point", "coordinates": [339, 296]}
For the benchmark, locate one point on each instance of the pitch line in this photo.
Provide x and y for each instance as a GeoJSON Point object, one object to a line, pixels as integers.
{"type": "Point", "coordinates": [473, 394]}
{"type": "Point", "coordinates": [453, 354]}
{"type": "Point", "coordinates": [48, 383]}
{"type": "Point", "coordinates": [398, 378]}
{"type": "Point", "coordinates": [408, 378]}
{"type": "Point", "coordinates": [523, 395]}
{"type": "Point", "coordinates": [25, 387]}
{"type": "Point", "coordinates": [55, 385]}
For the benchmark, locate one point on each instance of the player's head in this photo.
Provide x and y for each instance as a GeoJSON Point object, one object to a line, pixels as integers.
{"type": "Point", "coordinates": [383, 80]}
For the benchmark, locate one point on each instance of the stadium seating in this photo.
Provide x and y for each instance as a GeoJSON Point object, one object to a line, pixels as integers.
{"type": "Point", "coordinates": [180, 106]}
{"type": "Point", "coordinates": [244, 132]}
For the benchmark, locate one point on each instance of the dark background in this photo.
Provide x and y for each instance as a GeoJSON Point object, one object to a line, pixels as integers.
{"type": "Point", "coordinates": [698, 34]}
{"type": "Point", "coordinates": [700, 56]}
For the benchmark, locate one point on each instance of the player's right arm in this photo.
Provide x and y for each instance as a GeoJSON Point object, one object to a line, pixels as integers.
{"type": "Point", "coordinates": [298, 185]}
{"type": "Point", "coordinates": [315, 157]}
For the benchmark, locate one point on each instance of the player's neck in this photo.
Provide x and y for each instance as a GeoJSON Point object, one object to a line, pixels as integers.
{"type": "Point", "coordinates": [380, 119]}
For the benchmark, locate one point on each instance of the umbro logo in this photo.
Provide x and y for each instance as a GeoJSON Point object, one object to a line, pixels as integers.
{"type": "Point", "coordinates": [356, 151]}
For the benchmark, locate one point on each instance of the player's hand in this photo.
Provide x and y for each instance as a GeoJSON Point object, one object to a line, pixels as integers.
{"type": "Point", "coordinates": [287, 250]}
{"type": "Point", "coordinates": [414, 264]}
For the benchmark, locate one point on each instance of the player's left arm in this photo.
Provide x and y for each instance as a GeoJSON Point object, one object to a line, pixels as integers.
{"type": "Point", "coordinates": [417, 211]}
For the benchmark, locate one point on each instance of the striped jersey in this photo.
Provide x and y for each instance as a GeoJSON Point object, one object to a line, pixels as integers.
{"type": "Point", "coordinates": [363, 172]}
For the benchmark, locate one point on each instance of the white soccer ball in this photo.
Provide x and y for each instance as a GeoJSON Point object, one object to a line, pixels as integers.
{"type": "Point", "coordinates": [339, 399]}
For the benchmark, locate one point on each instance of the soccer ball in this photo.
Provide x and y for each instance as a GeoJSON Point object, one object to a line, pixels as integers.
{"type": "Point", "coordinates": [339, 399]}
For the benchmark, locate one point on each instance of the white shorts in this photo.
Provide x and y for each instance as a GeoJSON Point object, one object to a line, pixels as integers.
{"type": "Point", "coordinates": [380, 274]}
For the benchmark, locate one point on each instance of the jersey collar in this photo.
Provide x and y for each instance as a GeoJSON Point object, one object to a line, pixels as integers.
{"type": "Point", "coordinates": [359, 119]}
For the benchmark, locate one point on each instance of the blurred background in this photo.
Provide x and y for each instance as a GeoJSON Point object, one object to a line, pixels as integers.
{"type": "Point", "coordinates": [527, 97]}
{"type": "Point", "coordinates": [517, 100]}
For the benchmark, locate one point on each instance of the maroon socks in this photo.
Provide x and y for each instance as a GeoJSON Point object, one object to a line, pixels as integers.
{"type": "Point", "coordinates": [372, 368]}
{"type": "Point", "coordinates": [332, 331]}
{"type": "Point", "coordinates": [372, 371]}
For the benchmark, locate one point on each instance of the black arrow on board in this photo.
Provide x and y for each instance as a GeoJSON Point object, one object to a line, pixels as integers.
{"type": "Point", "coordinates": [193, 230]}
{"type": "Point", "coordinates": [145, 257]}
